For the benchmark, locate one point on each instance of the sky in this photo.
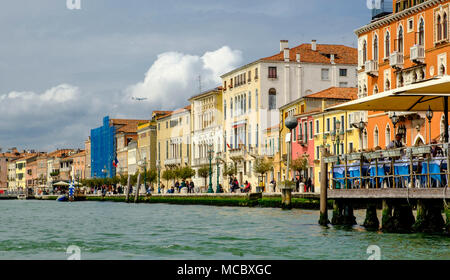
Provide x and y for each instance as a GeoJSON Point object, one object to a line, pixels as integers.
{"type": "Point", "coordinates": [62, 70]}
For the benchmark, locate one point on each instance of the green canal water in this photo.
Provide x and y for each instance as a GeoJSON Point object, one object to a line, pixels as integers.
{"type": "Point", "coordinates": [105, 230]}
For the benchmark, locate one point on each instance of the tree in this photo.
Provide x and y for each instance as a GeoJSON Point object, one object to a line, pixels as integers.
{"type": "Point", "coordinates": [300, 164]}
{"type": "Point", "coordinates": [203, 172]}
{"type": "Point", "coordinates": [123, 179]}
{"type": "Point", "coordinates": [167, 175]}
{"type": "Point", "coordinates": [186, 172]}
{"type": "Point", "coordinates": [262, 166]}
{"type": "Point", "coordinates": [229, 170]}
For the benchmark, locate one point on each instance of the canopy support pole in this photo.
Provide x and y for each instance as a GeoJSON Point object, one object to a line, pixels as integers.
{"type": "Point", "coordinates": [446, 119]}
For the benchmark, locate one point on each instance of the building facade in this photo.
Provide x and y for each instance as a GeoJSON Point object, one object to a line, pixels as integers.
{"type": "Point", "coordinates": [206, 133]}
{"type": "Point", "coordinates": [405, 47]}
{"type": "Point", "coordinates": [173, 138]}
{"type": "Point", "coordinates": [252, 94]}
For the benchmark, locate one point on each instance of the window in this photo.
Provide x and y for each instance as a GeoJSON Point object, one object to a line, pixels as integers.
{"type": "Point", "coordinates": [256, 99]}
{"type": "Point", "coordinates": [375, 48]}
{"type": "Point", "coordinates": [300, 131]}
{"type": "Point", "coordinates": [342, 123]}
{"type": "Point", "coordinates": [350, 147]}
{"type": "Point", "coordinates": [231, 107]}
{"type": "Point", "coordinates": [249, 135]}
{"type": "Point", "coordinates": [421, 32]}
{"type": "Point", "coordinates": [167, 124]}
{"type": "Point", "coordinates": [439, 28]}
{"type": "Point", "coordinates": [256, 73]}
{"type": "Point", "coordinates": [317, 127]}
{"type": "Point", "coordinates": [343, 72]}
{"type": "Point", "coordinates": [325, 74]}
{"type": "Point", "coordinates": [224, 109]}
{"type": "Point", "coordinates": [328, 125]}
{"type": "Point", "coordinates": [272, 99]}
{"type": "Point", "coordinates": [311, 131]}
{"type": "Point", "coordinates": [445, 26]}
{"type": "Point", "coordinates": [249, 75]}
{"type": "Point", "coordinates": [387, 45]}
{"type": "Point", "coordinates": [410, 25]}
{"type": "Point", "coordinates": [306, 132]}
{"type": "Point", "coordinates": [343, 84]}
{"type": "Point", "coordinates": [159, 126]}
{"type": "Point", "coordinates": [272, 72]}
{"type": "Point", "coordinates": [317, 152]}
{"type": "Point", "coordinates": [375, 137]}
{"type": "Point", "coordinates": [364, 51]}
{"type": "Point", "coordinates": [400, 39]}
{"type": "Point", "coordinates": [257, 135]}
{"type": "Point", "coordinates": [249, 101]}
{"type": "Point", "coordinates": [334, 123]}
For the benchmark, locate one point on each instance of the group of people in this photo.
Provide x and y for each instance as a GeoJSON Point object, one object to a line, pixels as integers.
{"type": "Point", "coordinates": [304, 184]}
{"type": "Point", "coordinates": [178, 187]}
{"type": "Point", "coordinates": [234, 186]}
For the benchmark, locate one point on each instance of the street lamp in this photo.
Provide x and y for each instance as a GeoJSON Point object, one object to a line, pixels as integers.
{"type": "Point", "coordinates": [395, 119]}
{"type": "Point", "coordinates": [429, 115]}
{"type": "Point", "coordinates": [210, 152]}
{"type": "Point", "coordinates": [290, 123]}
{"type": "Point", "coordinates": [218, 159]}
{"type": "Point", "coordinates": [361, 127]}
{"type": "Point", "coordinates": [158, 166]}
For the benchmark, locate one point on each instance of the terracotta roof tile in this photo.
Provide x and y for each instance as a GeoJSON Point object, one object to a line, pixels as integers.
{"type": "Point", "coordinates": [343, 54]}
{"type": "Point", "coordinates": [126, 125]}
{"type": "Point", "coordinates": [336, 93]}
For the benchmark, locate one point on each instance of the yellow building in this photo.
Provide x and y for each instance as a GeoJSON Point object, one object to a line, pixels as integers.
{"type": "Point", "coordinates": [146, 144]}
{"type": "Point", "coordinates": [325, 130]}
{"type": "Point", "coordinates": [173, 140]}
{"type": "Point", "coordinates": [302, 108]}
{"type": "Point", "coordinates": [206, 133]}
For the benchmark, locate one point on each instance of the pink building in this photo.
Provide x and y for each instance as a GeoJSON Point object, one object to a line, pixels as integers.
{"type": "Point", "coordinates": [303, 140]}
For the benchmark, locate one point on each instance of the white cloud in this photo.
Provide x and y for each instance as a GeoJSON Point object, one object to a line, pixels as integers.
{"type": "Point", "coordinates": [173, 77]}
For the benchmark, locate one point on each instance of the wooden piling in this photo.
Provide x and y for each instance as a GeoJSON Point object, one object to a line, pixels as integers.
{"type": "Point", "coordinates": [136, 195]}
{"type": "Point", "coordinates": [323, 220]}
{"type": "Point", "coordinates": [127, 194]}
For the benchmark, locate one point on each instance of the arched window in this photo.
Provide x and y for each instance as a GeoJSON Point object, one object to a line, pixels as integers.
{"type": "Point", "coordinates": [387, 45]}
{"type": "Point", "coordinates": [388, 135]}
{"type": "Point", "coordinates": [375, 137]}
{"type": "Point", "coordinates": [375, 48]}
{"type": "Point", "coordinates": [421, 32]}
{"type": "Point", "coordinates": [272, 99]}
{"type": "Point", "coordinates": [445, 26]}
{"type": "Point", "coordinates": [387, 85]}
{"type": "Point", "coordinates": [400, 39]}
{"type": "Point", "coordinates": [442, 70]}
{"type": "Point", "coordinates": [439, 28]}
{"type": "Point", "coordinates": [364, 51]}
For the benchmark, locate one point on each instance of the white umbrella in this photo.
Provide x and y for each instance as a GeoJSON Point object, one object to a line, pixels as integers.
{"type": "Point", "coordinates": [61, 183]}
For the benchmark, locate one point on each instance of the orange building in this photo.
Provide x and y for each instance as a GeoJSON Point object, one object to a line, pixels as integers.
{"type": "Point", "coordinates": [407, 46]}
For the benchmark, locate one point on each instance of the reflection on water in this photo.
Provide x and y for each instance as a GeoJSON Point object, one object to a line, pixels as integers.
{"type": "Point", "coordinates": [104, 230]}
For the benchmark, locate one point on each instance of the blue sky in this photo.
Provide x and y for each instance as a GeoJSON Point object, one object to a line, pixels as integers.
{"type": "Point", "coordinates": [100, 56]}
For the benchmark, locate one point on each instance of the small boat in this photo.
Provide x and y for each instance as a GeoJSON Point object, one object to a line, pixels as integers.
{"type": "Point", "coordinates": [21, 197]}
{"type": "Point", "coordinates": [62, 198]}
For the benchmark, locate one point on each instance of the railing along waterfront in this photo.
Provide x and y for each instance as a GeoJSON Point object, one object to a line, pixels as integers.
{"type": "Point", "coordinates": [408, 167]}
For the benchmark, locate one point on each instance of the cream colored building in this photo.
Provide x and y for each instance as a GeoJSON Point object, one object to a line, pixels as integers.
{"type": "Point", "coordinates": [173, 138]}
{"type": "Point", "coordinates": [147, 144]}
{"type": "Point", "coordinates": [253, 94]}
{"type": "Point", "coordinates": [206, 134]}
{"type": "Point", "coordinates": [12, 185]}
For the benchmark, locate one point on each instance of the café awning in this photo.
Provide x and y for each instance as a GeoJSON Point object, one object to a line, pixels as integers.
{"type": "Point", "coordinates": [414, 97]}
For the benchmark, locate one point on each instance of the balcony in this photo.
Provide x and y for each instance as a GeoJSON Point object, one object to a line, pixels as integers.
{"type": "Point", "coordinates": [237, 154]}
{"type": "Point", "coordinates": [371, 68]}
{"type": "Point", "coordinates": [396, 60]}
{"type": "Point", "coordinates": [302, 141]}
{"type": "Point", "coordinates": [172, 162]}
{"type": "Point", "coordinates": [200, 161]}
{"type": "Point", "coordinates": [418, 54]}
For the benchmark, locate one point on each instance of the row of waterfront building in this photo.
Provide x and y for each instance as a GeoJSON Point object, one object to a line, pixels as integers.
{"type": "Point", "coordinates": [242, 120]}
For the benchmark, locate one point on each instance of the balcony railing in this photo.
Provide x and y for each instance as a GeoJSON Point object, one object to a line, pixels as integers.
{"type": "Point", "coordinates": [238, 153]}
{"type": "Point", "coordinates": [200, 161]}
{"type": "Point", "coordinates": [371, 67]}
{"type": "Point", "coordinates": [418, 53]}
{"type": "Point", "coordinates": [396, 60]}
{"type": "Point", "coordinates": [173, 161]}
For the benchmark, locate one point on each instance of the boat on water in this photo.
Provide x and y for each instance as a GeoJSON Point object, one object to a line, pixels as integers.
{"type": "Point", "coordinates": [62, 198]}
{"type": "Point", "coordinates": [21, 196]}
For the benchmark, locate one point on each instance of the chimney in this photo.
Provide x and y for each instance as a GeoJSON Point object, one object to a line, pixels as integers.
{"type": "Point", "coordinates": [314, 45]}
{"type": "Point", "coordinates": [297, 57]}
{"type": "Point", "coordinates": [286, 55]}
{"type": "Point", "coordinates": [283, 45]}
{"type": "Point", "coordinates": [332, 59]}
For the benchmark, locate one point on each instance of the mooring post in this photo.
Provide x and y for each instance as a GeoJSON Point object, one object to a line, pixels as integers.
{"type": "Point", "coordinates": [337, 218]}
{"type": "Point", "coordinates": [371, 222]}
{"type": "Point", "coordinates": [323, 220]}
{"type": "Point", "coordinates": [386, 219]}
{"type": "Point", "coordinates": [127, 194]}
{"type": "Point", "coordinates": [136, 195]}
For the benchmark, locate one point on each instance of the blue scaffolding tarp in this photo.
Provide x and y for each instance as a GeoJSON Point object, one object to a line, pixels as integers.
{"type": "Point", "coordinates": [103, 150]}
